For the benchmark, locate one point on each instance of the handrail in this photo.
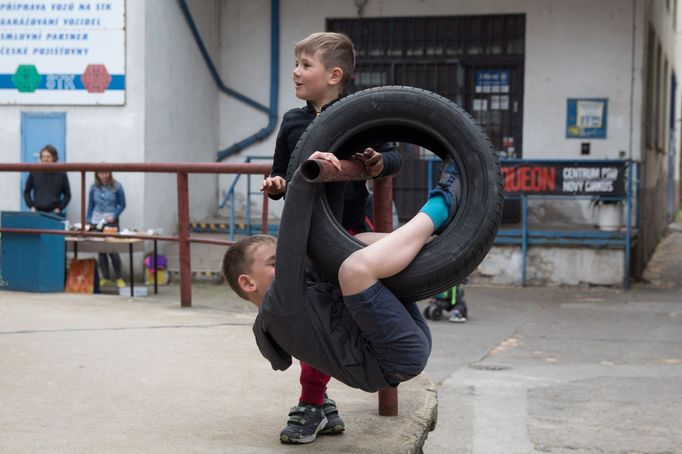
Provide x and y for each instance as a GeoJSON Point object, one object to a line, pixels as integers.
{"type": "Point", "coordinates": [181, 170]}
{"type": "Point", "coordinates": [230, 193]}
{"type": "Point", "coordinates": [227, 192]}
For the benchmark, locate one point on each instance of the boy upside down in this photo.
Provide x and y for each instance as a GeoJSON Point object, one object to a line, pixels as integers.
{"type": "Point", "coordinates": [358, 331]}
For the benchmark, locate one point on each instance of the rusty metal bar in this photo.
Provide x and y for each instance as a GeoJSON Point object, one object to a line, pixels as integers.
{"type": "Point", "coordinates": [140, 236]}
{"type": "Point", "coordinates": [149, 167]}
{"type": "Point", "coordinates": [321, 171]}
{"type": "Point", "coordinates": [183, 241]}
{"type": "Point", "coordinates": [383, 222]}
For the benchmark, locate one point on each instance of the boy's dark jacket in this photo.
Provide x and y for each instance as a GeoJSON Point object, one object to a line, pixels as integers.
{"type": "Point", "coordinates": [294, 122]}
{"type": "Point", "coordinates": [304, 316]}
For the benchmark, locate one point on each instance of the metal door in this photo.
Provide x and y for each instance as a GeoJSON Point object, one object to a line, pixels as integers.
{"type": "Point", "coordinates": [37, 130]}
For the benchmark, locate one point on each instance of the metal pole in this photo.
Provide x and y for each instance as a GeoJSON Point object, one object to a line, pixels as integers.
{"type": "Point", "coordinates": [132, 275]}
{"type": "Point", "coordinates": [321, 171]}
{"type": "Point", "coordinates": [383, 222]}
{"type": "Point", "coordinates": [183, 241]}
{"type": "Point", "coordinates": [156, 269]}
{"type": "Point", "coordinates": [628, 225]}
{"type": "Point", "coordinates": [264, 218]}
{"type": "Point", "coordinates": [524, 239]}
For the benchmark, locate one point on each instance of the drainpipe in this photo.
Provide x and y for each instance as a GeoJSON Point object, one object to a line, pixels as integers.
{"type": "Point", "coordinates": [274, 79]}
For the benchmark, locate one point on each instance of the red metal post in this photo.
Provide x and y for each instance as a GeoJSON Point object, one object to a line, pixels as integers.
{"type": "Point", "coordinates": [183, 241]}
{"type": "Point", "coordinates": [383, 222]}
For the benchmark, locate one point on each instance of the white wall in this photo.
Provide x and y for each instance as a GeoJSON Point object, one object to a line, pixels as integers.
{"type": "Point", "coordinates": [93, 133]}
{"type": "Point", "coordinates": [245, 66]}
{"type": "Point", "coordinates": [573, 49]}
{"type": "Point", "coordinates": [181, 106]}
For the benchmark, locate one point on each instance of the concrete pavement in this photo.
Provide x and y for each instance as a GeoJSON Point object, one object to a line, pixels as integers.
{"type": "Point", "coordinates": [565, 370]}
{"type": "Point", "coordinates": [535, 370]}
{"type": "Point", "coordinates": [110, 374]}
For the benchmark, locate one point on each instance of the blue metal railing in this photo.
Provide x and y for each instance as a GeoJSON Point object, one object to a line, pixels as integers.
{"type": "Point", "coordinates": [229, 196]}
{"type": "Point", "coordinates": [527, 236]}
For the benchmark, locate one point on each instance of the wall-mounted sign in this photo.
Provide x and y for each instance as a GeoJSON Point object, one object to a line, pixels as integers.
{"type": "Point", "coordinates": [569, 178]}
{"type": "Point", "coordinates": [62, 52]}
{"type": "Point", "coordinates": [492, 81]}
{"type": "Point", "coordinates": [586, 118]}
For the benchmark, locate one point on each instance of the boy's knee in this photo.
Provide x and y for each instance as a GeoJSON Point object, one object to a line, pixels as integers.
{"type": "Point", "coordinates": [352, 269]}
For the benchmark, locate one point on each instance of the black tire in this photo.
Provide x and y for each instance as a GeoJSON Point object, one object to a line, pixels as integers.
{"type": "Point", "coordinates": [416, 116]}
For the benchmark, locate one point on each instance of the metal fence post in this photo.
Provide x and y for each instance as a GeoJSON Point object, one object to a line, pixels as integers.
{"type": "Point", "coordinates": [183, 241]}
{"type": "Point", "coordinates": [383, 222]}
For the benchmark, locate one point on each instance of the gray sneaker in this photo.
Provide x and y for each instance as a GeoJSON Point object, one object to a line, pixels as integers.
{"type": "Point", "coordinates": [304, 422]}
{"type": "Point", "coordinates": [335, 424]}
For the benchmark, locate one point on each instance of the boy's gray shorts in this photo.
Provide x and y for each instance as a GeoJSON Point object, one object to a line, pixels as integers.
{"type": "Point", "coordinates": [397, 331]}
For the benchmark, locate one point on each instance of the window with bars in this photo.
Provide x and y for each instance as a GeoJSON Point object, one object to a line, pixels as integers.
{"type": "Point", "coordinates": [475, 61]}
{"type": "Point", "coordinates": [449, 56]}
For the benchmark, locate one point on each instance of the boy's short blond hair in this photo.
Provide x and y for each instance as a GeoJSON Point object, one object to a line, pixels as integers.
{"type": "Point", "coordinates": [335, 50]}
{"type": "Point", "coordinates": [238, 260]}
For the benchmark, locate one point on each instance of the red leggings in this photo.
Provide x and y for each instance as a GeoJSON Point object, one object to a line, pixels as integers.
{"type": "Point", "coordinates": [313, 385]}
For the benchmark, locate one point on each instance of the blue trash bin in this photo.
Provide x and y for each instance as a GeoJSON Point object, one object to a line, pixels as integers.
{"type": "Point", "coordinates": [32, 262]}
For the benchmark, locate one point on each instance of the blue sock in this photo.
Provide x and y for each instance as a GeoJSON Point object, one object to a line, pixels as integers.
{"type": "Point", "coordinates": [437, 208]}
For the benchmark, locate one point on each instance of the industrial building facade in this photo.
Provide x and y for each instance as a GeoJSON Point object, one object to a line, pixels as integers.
{"type": "Point", "coordinates": [524, 69]}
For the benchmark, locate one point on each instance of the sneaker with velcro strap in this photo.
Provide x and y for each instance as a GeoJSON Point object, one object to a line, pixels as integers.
{"type": "Point", "coordinates": [334, 424]}
{"type": "Point", "coordinates": [303, 425]}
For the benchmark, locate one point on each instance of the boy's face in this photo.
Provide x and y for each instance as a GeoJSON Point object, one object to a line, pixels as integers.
{"type": "Point", "coordinates": [312, 81]}
{"type": "Point", "coordinates": [262, 269]}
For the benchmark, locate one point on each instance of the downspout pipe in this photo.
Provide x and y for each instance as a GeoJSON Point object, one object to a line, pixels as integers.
{"type": "Point", "coordinates": [274, 79]}
{"type": "Point", "coordinates": [274, 89]}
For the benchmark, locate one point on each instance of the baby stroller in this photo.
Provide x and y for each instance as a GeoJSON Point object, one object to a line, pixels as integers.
{"type": "Point", "coordinates": [449, 300]}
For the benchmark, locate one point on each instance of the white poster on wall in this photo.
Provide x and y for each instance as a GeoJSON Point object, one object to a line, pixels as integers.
{"type": "Point", "coordinates": [57, 52]}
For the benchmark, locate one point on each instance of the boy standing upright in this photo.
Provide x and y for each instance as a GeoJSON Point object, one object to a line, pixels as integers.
{"type": "Point", "coordinates": [323, 67]}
